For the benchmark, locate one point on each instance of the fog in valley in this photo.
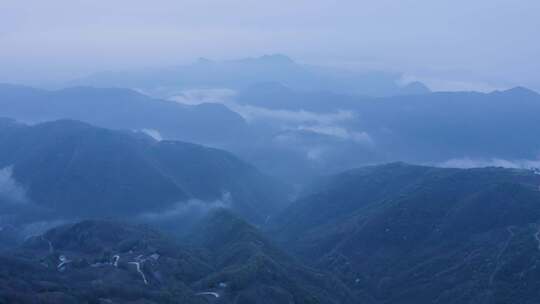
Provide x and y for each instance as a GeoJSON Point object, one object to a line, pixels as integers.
{"type": "Point", "coordinates": [269, 152]}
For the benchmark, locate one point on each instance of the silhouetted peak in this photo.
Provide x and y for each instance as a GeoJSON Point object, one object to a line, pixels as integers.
{"type": "Point", "coordinates": [518, 91]}
{"type": "Point", "coordinates": [277, 59]}
{"type": "Point", "coordinates": [66, 124]}
{"type": "Point", "coordinates": [8, 122]}
{"type": "Point", "coordinates": [202, 60]}
{"type": "Point", "coordinates": [415, 88]}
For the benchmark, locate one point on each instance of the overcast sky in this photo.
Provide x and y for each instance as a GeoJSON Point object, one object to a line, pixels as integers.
{"type": "Point", "coordinates": [453, 43]}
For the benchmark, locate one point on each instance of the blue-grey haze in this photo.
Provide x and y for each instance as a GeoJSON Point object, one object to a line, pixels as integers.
{"type": "Point", "coordinates": [450, 45]}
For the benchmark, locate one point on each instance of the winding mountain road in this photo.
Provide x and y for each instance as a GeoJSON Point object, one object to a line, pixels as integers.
{"type": "Point", "coordinates": [116, 258]}
{"type": "Point", "coordinates": [210, 296]}
{"type": "Point", "coordinates": [138, 266]}
{"type": "Point", "coordinates": [51, 248]}
{"type": "Point", "coordinates": [208, 293]}
{"type": "Point", "coordinates": [63, 262]}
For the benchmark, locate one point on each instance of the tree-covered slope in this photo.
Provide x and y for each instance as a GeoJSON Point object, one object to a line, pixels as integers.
{"type": "Point", "coordinates": [226, 261]}
{"type": "Point", "coordinates": [123, 109]}
{"type": "Point", "coordinates": [77, 170]}
{"type": "Point", "coordinates": [256, 271]}
{"type": "Point", "coordinates": [411, 234]}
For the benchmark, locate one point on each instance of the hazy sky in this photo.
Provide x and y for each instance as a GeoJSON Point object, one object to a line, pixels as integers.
{"type": "Point", "coordinates": [467, 43]}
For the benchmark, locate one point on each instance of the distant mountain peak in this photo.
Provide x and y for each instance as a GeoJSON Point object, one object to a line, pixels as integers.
{"type": "Point", "coordinates": [202, 60]}
{"type": "Point", "coordinates": [278, 59]}
{"type": "Point", "coordinates": [518, 91]}
{"type": "Point", "coordinates": [6, 121]}
{"type": "Point", "coordinates": [415, 88]}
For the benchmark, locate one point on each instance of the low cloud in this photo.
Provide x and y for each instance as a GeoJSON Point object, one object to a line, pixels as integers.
{"type": "Point", "coordinates": [466, 162]}
{"type": "Point", "coordinates": [289, 124]}
{"type": "Point", "coordinates": [450, 84]}
{"type": "Point", "coordinates": [339, 132]}
{"type": "Point", "coordinates": [191, 208]}
{"type": "Point", "coordinates": [316, 154]}
{"type": "Point", "coordinates": [40, 227]}
{"type": "Point", "coordinates": [153, 133]}
{"type": "Point", "coordinates": [10, 190]}
{"type": "Point", "coordinates": [253, 113]}
{"type": "Point", "coordinates": [199, 96]}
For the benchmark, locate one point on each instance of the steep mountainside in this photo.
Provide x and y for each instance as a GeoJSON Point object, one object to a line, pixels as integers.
{"type": "Point", "coordinates": [420, 128]}
{"type": "Point", "coordinates": [411, 234]}
{"type": "Point", "coordinates": [123, 109]}
{"type": "Point", "coordinates": [100, 262]}
{"type": "Point", "coordinates": [112, 262]}
{"type": "Point", "coordinates": [256, 271]}
{"type": "Point", "coordinates": [297, 134]}
{"type": "Point", "coordinates": [76, 170]}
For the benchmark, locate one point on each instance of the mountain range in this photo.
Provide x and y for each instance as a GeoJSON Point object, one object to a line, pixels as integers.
{"type": "Point", "coordinates": [69, 169]}
{"type": "Point", "coordinates": [332, 132]}
{"type": "Point", "coordinates": [394, 233]}
{"type": "Point", "coordinates": [241, 73]}
{"type": "Point", "coordinates": [399, 233]}
{"type": "Point", "coordinates": [112, 262]}
{"type": "Point", "coordinates": [123, 109]}
{"type": "Point", "coordinates": [137, 219]}
{"type": "Point", "coordinates": [299, 134]}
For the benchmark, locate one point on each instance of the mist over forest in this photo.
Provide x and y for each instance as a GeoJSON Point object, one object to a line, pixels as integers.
{"type": "Point", "coordinates": [242, 152]}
